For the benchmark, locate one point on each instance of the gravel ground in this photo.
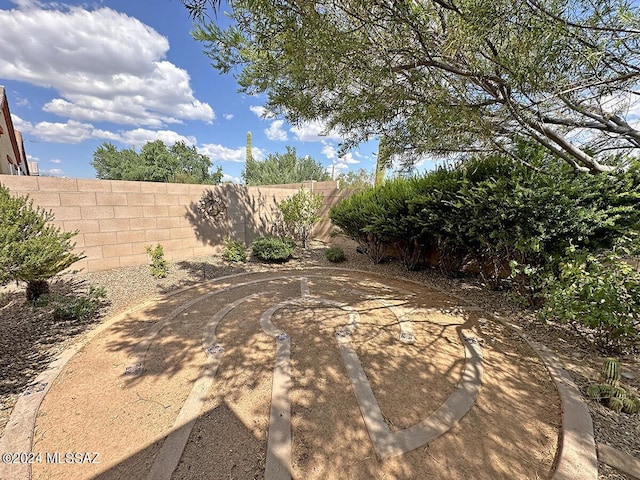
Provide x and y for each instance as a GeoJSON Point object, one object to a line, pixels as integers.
{"type": "Point", "coordinates": [30, 338]}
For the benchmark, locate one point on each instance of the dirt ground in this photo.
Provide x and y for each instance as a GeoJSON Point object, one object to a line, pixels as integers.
{"type": "Point", "coordinates": [512, 431]}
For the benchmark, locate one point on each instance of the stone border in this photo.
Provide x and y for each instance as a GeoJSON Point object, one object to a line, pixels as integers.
{"type": "Point", "coordinates": [168, 458]}
{"type": "Point", "coordinates": [624, 462]}
{"type": "Point", "coordinates": [18, 433]}
{"type": "Point", "coordinates": [578, 458]}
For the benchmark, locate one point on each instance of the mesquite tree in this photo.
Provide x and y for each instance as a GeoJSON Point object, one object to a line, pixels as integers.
{"type": "Point", "coordinates": [442, 77]}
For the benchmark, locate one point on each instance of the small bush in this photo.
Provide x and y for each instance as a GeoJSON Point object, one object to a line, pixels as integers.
{"type": "Point", "coordinates": [234, 251]}
{"type": "Point", "coordinates": [80, 307]}
{"type": "Point", "coordinates": [335, 255]}
{"type": "Point", "coordinates": [32, 249]}
{"type": "Point", "coordinates": [159, 266]}
{"type": "Point", "coordinates": [273, 249]}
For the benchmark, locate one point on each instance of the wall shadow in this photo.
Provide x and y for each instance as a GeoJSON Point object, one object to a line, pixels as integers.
{"type": "Point", "coordinates": [250, 212]}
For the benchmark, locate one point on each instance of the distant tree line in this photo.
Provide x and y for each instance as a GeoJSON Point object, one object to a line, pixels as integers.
{"type": "Point", "coordinates": [280, 168]}
{"type": "Point", "coordinates": [155, 163]}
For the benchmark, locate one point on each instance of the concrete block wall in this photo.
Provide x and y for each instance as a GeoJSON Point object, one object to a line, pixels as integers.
{"type": "Point", "coordinates": [116, 220]}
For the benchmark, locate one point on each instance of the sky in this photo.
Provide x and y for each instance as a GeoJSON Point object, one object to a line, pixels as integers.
{"type": "Point", "coordinates": [79, 74]}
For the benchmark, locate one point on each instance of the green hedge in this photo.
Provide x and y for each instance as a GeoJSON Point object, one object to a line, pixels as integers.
{"type": "Point", "coordinates": [511, 224]}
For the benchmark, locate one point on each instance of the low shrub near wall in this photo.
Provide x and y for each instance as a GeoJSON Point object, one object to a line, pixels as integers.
{"type": "Point", "coordinates": [273, 249]}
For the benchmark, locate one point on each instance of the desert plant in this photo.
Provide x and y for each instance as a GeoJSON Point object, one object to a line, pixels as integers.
{"type": "Point", "coordinates": [300, 214]}
{"type": "Point", "coordinates": [73, 307]}
{"type": "Point", "coordinates": [610, 392]}
{"type": "Point", "coordinates": [159, 266]}
{"type": "Point", "coordinates": [32, 250]}
{"type": "Point", "coordinates": [273, 249]}
{"type": "Point", "coordinates": [234, 251]}
{"type": "Point", "coordinates": [354, 216]}
{"type": "Point", "coordinates": [335, 255]}
{"type": "Point", "coordinates": [601, 294]}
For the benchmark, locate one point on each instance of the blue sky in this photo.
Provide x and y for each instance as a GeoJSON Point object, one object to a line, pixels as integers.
{"type": "Point", "coordinates": [78, 74]}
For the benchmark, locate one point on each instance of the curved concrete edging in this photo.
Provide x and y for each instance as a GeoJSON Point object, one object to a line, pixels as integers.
{"type": "Point", "coordinates": [174, 444]}
{"type": "Point", "coordinates": [385, 442]}
{"type": "Point", "coordinates": [578, 459]}
{"type": "Point", "coordinates": [18, 433]}
{"type": "Point", "coordinates": [619, 460]}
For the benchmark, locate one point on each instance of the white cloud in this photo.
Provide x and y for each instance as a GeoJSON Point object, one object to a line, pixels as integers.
{"type": "Point", "coordinates": [56, 172]}
{"type": "Point", "coordinates": [339, 163]}
{"type": "Point", "coordinates": [229, 178]}
{"type": "Point", "coordinates": [275, 131]}
{"type": "Point", "coordinates": [55, 132]}
{"type": "Point", "coordinates": [227, 116]}
{"type": "Point", "coordinates": [261, 112]}
{"type": "Point", "coordinates": [76, 132]}
{"type": "Point", "coordinates": [20, 124]}
{"type": "Point", "coordinates": [348, 158]}
{"type": "Point", "coordinates": [217, 152]}
{"type": "Point", "coordinates": [329, 151]}
{"type": "Point", "coordinates": [140, 136]}
{"type": "Point", "coordinates": [55, 160]}
{"type": "Point", "coordinates": [315, 131]}
{"type": "Point", "coordinates": [104, 65]}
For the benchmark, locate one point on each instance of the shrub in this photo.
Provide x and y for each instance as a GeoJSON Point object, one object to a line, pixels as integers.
{"type": "Point", "coordinates": [493, 211]}
{"type": "Point", "coordinates": [273, 249]}
{"type": "Point", "coordinates": [31, 249]}
{"type": "Point", "coordinates": [82, 307]}
{"type": "Point", "coordinates": [159, 266]}
{"type": "Point", "coordinates": [77, 307]}
{"type": "Point", "coordinates": [300, 214]}
{"type": "Point", "coordinates": [599, 292]}
{"type": "Point", "coordinates": [234, 251]}
{"type": "Point", "coordinates": [335, 255]}
{"type": "Point", "coordinates": [354, 216]}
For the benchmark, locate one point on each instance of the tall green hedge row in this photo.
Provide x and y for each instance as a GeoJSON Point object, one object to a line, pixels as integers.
{"type": "Point", "coordinates": [510, 223]}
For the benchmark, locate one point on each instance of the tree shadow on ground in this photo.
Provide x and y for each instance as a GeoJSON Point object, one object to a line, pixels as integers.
{"type": "Point", "coordinates": [32, 336]}
{"type": "Point", "coordinates": [509, 424]}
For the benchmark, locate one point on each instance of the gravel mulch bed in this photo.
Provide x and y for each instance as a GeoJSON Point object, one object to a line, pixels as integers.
{"type": "Point", "coordinates": [30, 339]}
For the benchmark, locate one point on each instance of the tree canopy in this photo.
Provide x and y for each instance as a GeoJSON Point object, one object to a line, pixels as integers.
{"type": "Point", "coordinates": [155, 163]}
{"type": "Point", "coordinates": [283, 168]}
{"type": "Point", "coordinates": [356, 179]}
{"type": "Point", "coordinates": [442, 77]}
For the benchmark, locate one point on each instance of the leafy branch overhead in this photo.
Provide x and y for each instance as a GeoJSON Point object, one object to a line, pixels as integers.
{"type": "Point", "coordinates": [442, 78]}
